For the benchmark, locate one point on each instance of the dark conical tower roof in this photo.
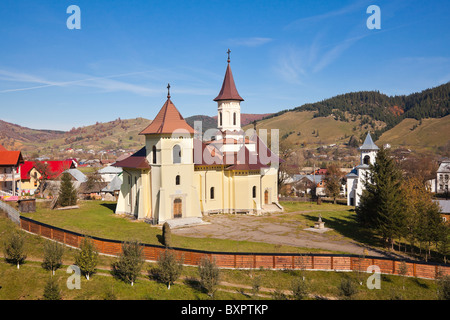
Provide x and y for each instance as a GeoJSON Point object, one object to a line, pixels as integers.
{"type": "Point", "coordinates": [228, 91]}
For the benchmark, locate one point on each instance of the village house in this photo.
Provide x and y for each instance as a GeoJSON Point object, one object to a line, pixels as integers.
{"type": "Point", "coordinates": [31, 173]}
{"type": "Point", "coordinates": [443, 177]}
{"type": "Point", "coordinates": [177, 175]}
{"type": "Point", "coordinates": [10, 162]}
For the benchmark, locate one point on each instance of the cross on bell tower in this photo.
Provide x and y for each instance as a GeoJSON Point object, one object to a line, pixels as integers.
{"type": "Point", "coordinates": [168, 91]}
{"type": "Point", "coordinates": [228, 55]}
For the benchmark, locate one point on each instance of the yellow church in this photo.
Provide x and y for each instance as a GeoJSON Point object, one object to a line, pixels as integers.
{"type": "Point", "coordinates": [180, 175]}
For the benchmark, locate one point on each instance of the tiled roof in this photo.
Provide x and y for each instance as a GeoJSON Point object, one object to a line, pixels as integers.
{"type": "Point", "coordinates": [168, 120]}
{"type": "Point", "coordinates": [10, 158]}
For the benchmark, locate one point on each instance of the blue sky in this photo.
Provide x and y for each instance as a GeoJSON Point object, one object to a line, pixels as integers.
{"type": "Point", "coordinates": [283, 54]}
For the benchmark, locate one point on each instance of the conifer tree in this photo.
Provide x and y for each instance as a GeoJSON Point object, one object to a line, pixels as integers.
{"type": "Point", "coordinates": [51, 290]}
{"type": "Point", "coordinates": [130, 262]}
{"type": "Point", "coordinates": [87, 258]}
{"type": "Point", "coordinates": [67, 192]}
{"type": "Point", "coordinates": [209, 275]}
{"type": "Point", "coordinates": [381, 203]}
{"type": "Point", "coordinates": [169, 269]}
{"type": "Point", "coordinates": [14, 249]}
{"type": "Point", "coordinates": [53, 253]}
{"type": "Point", "coordinates": [167, 234]}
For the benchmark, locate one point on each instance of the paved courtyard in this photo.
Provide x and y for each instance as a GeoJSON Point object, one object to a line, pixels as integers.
{"type": "Point", "coordinates": [262, 229]}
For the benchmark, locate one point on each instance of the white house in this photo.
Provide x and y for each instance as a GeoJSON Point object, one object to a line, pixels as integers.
{"type": "Point", "coordinates": [443, 177]}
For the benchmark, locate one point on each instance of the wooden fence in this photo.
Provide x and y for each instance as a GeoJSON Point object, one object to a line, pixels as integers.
{"type": "Point", "coordinates": [245, 260]}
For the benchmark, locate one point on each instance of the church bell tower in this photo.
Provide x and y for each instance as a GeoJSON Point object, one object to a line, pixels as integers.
{"type": "Point", "coordinates": [229, 104]}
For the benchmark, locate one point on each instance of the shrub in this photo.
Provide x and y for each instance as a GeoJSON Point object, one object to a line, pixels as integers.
{"type": "Point", "coordinates": [347, 288]}
{"type": "Point", "coordinates": [167, 235]}
{"type": "Point", "coordinates": [299, 289]}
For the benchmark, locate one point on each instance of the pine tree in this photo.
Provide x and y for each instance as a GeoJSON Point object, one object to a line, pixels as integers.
{"type": "Point", "coordinates": [209, 275]}
{"type": "Point", "coordinates": [14, 249]}
{"type": "Point", "coordinates": [53, 253]}
{"type": "Point", "coordinates": [130, 262]}
{"type": "Point", "coordinates": [169, 269]}
{"type": "Point", "coordinates": [87, 258]}
{"type": "Point", "coordinates": [67, 192]}
{"type": "Point", "coordinates": [51, 290]}
{"type": "Point", "coordinates": [381, 203]}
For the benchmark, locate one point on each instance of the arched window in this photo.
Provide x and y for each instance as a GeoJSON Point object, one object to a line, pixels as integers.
{"type": "Point", "coordinates": [220, 118]}
{"type": "Point", "coordinates": [254, 191]}
{"type": "Point", "coordinates": [177, 180]}
{"type": "Point", "coordinates": [154, 154]}
{"type": "Point", "coordinates": [366, 160]}
{"type": "Point", "coordinates": [211, 193]}
{"type": "Point", "coordinates": [176, 154]}
{"type": "Point", "coordinates": [234, 119]}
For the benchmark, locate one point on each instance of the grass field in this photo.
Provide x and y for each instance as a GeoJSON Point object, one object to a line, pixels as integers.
{"type": "Point", "coordinates": [28, 282]}
{"type": "Point", "coordinates": [97, 218]}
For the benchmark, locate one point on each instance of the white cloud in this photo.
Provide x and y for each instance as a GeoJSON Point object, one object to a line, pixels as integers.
{"type": "Point", "coordinates": [249, 42]}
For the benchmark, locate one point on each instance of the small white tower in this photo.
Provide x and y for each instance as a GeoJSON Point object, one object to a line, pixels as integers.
{"type": "Point", "coordinates": [229, 105]}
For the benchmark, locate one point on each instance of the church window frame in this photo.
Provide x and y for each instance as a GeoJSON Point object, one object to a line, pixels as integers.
{"type": "Point", "coordinates": [176, 154]}
{"type": "Point", "coordinates": [178, 180]}
{"type": "Point", "coordinates": [154, 154]}
{"type": "Point", "coordinates": [212, 193]}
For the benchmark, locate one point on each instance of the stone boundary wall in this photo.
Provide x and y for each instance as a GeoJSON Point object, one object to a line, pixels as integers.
{"type": "Point", "coordinates": [246, 260]}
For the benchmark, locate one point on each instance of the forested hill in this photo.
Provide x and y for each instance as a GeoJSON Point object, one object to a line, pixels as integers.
{"type": "Point", "coordinates": [430, 103]}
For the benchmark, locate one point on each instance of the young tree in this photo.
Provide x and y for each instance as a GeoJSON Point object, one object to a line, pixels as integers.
{"type": "Point", "coordinates": [87, 257]}
{"type": "Point", "coordinates": [299, 289]}
{"type": "Point", "coordinates": [347, 288]}
{"type": "Point", "coordinates": [209, 275]}
{"type": "Point", "coordinates": [382, 201]}
{"type": "Point", "coordinates": [333, 182]}
{"type": "Point", "coordinates": [403, 270]}
{"type": "Point", "coordinates": [67, 192]}
{"type": "Point", "coordinates": [169, 268]}
{"type": "Point", "coordinates": [51, 290]}
{"type": "Point", "coordinates": [130, 262]}
{"type": "Point", "coordinates": [53, 253]}
{"type": "Point", "coordinates": [14, 249]}
{"type": "Point", "coordinates": [167, 234]}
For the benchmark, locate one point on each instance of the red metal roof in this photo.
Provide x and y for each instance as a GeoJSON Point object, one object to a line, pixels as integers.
{"type": "Point", "coordinates": [228, 91]}
{"type": "Point", "coordinates": [168, 120]}
{"type": "Point", "coordinates": [55, 168]}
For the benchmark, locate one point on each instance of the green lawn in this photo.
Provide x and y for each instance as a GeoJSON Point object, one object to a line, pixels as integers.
{"type": "Point", "coordinates": [28, 282]}
{"type": "Point", "coordinates": [97, 218]}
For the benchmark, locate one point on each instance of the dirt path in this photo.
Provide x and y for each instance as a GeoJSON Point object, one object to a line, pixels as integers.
{"type": "Point", "coordinates": [259, 229]}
